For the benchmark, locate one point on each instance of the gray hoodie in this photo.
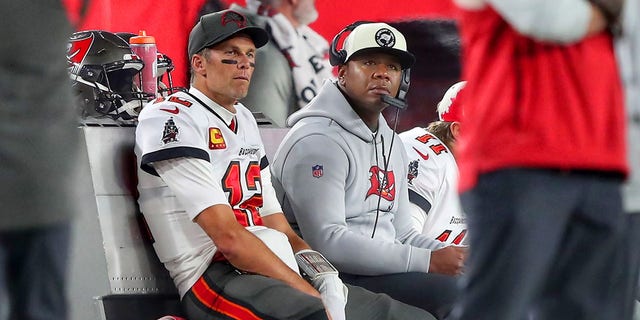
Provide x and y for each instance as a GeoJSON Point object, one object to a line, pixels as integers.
{"type": "Point", "coordinates": [327, 173]}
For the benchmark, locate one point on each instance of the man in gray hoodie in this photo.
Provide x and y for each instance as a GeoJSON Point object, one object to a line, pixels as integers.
{"type": "Point", "coordinates": [342, 181]}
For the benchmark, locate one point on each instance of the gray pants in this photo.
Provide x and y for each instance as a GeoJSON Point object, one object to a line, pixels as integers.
{"type": "Point", "coordinates": [542, 243]}
{"type": "Point", "coordinates": [434, 293]}
{"type": "Point", "coordinates": [629, 266]}
{"type": "Point", "coordinates": [223, 290]}
{"type": "Point", "coordinates": [33, 273]}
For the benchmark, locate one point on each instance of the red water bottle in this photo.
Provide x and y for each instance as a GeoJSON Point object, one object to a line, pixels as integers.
{"type": "Point", "coordinates": [144, 46]}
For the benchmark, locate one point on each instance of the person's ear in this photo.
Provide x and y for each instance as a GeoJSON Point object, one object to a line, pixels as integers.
{"type": "Point", "coordinates": [341, 74]}
{"type": "Point", "coordinates": [197, 64]}
{"type": "Point", "coordinates": [455, 129]}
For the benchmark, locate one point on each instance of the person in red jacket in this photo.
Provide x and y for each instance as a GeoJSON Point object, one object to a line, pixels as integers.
{"type": "Point", "coordinates": [542, 159]}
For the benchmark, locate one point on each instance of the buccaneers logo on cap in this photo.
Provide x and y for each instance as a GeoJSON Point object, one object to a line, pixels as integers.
{"type": "Point", "coordinates": [385, 38]}
{"type": "Point", "coordinates": [383, 183]}
{"type": "Point", "coordinates": [232, 16]}
{"type": "Point", "coordinates": [78, 48]}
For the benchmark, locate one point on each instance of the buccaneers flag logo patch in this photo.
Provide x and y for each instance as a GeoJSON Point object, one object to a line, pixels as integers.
{"type": "Point", "coordinates": [170, 132]}
{"type": "Point", "coordinates": [413, 170]}
{"type": "Point", "coordinates": [383, 183]}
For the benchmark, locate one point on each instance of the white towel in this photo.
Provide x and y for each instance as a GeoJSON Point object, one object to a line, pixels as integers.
{"type": "Point", "coordinates": [306, 51]}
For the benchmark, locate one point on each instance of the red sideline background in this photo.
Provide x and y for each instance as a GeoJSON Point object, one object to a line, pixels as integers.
{"type": "Point", "coordinates": [170, 21]}
{"type": "Point", "coordinates": [428, 25]}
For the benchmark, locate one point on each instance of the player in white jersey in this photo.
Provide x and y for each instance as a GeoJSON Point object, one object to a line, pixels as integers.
{"type": "Point", "coordinates": [190, 125]}
{"type": "Point", "coordinates": [433, 173]}
{"type": "Point", "coordinates": [205, 191]}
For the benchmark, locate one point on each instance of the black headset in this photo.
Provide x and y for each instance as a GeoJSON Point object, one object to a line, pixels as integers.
{"type": "Point", "coordinates": [339, 57]}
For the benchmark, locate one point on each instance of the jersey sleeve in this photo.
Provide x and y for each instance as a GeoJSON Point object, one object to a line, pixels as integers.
{"type": "Point", "coordinates": [563, 21]}
{"type": "Point", "coordinates": [319, 207]}
{"type": "Point", "coordinates": [427, 178]}
{"type": "Point", "coordinates": [403, 222]}
{"type": "Point", "coordinates": [168, 130]}
{"type": "Point", "coordinates": [418, 216]}
{"type": "Point", "coordinates": [423, 175]}
{"type": "Point", "coordinates": [193, 182]}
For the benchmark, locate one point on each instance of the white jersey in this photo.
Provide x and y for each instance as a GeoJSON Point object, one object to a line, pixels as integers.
{"type": "Point", "coordinates": [433, 187]}
{"type": "Point", "coordinates": [189, 125]}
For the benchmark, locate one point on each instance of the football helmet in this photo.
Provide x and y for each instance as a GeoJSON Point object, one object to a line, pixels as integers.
{"type": "Point", "coordinates": [164, 65]}
{"type": "Point", "coordinates": [102, 68]}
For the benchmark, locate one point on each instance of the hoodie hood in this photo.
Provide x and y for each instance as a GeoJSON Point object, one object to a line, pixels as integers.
{"type": "Point", "coordinates": [331, 104]}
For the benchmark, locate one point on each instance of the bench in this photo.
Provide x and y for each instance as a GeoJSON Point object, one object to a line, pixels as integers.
{"type": "Point", "coordinates": [114, 272]}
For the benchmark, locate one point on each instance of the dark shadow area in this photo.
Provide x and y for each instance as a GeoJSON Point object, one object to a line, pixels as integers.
{"type": "Point", "coordinates": [436, 45]}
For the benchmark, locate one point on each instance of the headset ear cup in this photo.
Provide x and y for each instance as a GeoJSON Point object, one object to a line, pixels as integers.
{"type": "Point", "coordinates": [336, 57]}
{"type": "Point", "coordinates": [342, 56]}
{"type": "Point", "coordinates": [405, 81]}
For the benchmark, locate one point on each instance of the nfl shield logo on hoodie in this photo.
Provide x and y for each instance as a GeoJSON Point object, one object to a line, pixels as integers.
{"type": "Point", "coordinates": [316, 171]}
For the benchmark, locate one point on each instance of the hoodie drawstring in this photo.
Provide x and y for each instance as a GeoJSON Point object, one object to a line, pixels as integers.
{"type": "Point", "coordinates": [385, 161]}
{"type": "Point", "coordinates": [379, 191]}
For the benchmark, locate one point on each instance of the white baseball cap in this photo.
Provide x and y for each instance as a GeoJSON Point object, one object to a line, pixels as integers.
{"type": "Point", "coordinates": [449, 108]}
{"type": "Point", "coordinates": [378, 36]}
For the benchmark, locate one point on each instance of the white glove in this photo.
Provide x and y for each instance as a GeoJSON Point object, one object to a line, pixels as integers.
{"type": "Point", "coordinates": [333, 293]}
{"type": "Point", "coordinates": [324, 277]}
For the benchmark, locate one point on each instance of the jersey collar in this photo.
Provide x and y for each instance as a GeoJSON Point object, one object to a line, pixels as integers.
{"type": "Point", "coordinates": [224, 114]}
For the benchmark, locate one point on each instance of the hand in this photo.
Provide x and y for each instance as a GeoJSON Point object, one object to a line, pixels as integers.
{"type": "Point", "coordinates": [611, 9]}
{"type": "Point", "coordinates": [333, 294]}
{"type": "Point", "coordinates": [448, 260]}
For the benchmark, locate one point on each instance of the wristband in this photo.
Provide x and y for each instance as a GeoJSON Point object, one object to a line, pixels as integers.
{"type": "Point", "coordinates": [314, 264]}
